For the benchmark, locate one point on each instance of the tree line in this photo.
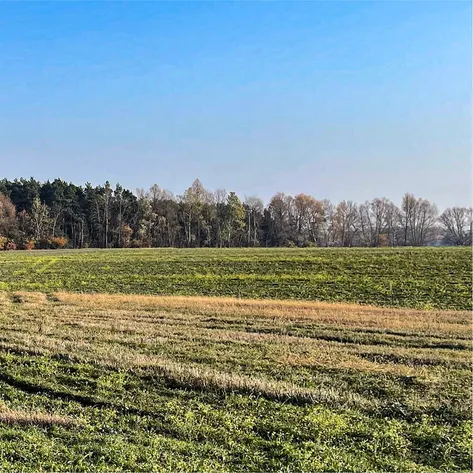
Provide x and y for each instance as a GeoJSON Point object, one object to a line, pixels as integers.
{"type": "Point", "coordinates": [58, 214]}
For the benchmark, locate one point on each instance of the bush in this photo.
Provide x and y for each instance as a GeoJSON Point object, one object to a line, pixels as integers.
{"type": "Point", "coordinates": [383, 240]}
{"type": "Point", "coordinates": [3, 242]}
{"type": "Point", "coordinates": [42, 244]}
{"type": "Point", "coordinates": [10, 245]}
{"type": "Point", "coordinates": [127, 232]}
{"type": "Point", "coordinates": [29, 244]}
{"type": "Point", "coordinates": [310, 244]}
{"type": "Point", "coordinates": [24, 243]}
{"type": "Point", "coordinates": [53, 243]}
{"type": "Point", "coordinates": [58, 242]}
{"type": "Point", "coordinates": [137, 243]}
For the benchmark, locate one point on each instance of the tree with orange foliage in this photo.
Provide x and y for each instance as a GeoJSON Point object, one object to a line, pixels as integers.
{"type": "Point", "coordinates": [8, 223]}
{"type": "Point", "coordinates": [126, 234]}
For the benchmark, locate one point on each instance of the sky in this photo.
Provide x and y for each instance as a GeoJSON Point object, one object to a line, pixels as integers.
{"type": "Point", "coordinates": [341, 100]}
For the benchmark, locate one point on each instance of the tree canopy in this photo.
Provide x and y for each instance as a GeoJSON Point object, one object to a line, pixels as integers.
{"type": "Point", "coordinates": [58, 214]}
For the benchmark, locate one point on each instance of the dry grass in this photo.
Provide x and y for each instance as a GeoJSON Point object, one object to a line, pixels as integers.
{"type": "Point", "coordinates": [19, 417]}
{"type": "Point", "coordinates": [240, 345]}
{"type": "Point", "coordinates": [322, 312]}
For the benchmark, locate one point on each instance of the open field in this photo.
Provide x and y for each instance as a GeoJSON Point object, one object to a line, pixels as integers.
{"type": "Point", "coordinates": [263, 378]}
{"type": "Point", "coordinates": [143, 383]}
{"type": "Point", "coordinates": [401, 277]}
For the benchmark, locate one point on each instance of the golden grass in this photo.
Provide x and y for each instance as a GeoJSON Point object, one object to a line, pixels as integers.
{"type": "Point", "coordinates": [206, 343]}
{"type": "Point", "coordinates": [203, 302]}
{"type": "Point", "coordinates": [322, 312]}
{"type": "Point", "coordinates": [19, 417]}
{"type": "Point", "coordinates": [204, 378]}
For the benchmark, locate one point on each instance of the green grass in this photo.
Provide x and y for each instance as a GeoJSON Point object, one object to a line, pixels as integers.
{"type": "Point", "coordinates": [402, 277]}
{"type": "Point", "coordinates": [145, 385]}
{"type": "Point", "coordinates": [133, 382]}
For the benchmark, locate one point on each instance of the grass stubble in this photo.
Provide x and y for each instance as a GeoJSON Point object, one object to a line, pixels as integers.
{"type": "Point", "coordinates": [157, 383]}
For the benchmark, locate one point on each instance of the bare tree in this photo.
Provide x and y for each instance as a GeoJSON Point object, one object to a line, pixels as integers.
{"type": "Point", "coordinates": [254, 211]}
{"type": "Point", "coordinates": [328, 225]}
{"type": "Point", "coordinates": [156, 195]}
{"type": "Point", "coordinates": [220, 196]}
{"type": "Point", "coordinates": [407, 217]}
{"type": "Point", "coordinates": [426, 220]}
{"type": "Point", "coordinates": [417, 218]}
{"type": "Point", "coordinates": [458, 223]}
{"type": "Point", "coordinates": [346, 223]}
{"type": "Point", "coordinates": [375, 220]}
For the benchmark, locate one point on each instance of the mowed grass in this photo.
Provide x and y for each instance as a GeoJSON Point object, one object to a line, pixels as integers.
{"type": "Point", "coordinates": [94, 382]}
{"type": "Point", "coordinates": [426, 278]}
{"type": "Point", "coordinates": [119, 360]}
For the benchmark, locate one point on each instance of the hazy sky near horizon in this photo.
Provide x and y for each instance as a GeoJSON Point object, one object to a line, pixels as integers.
{"type": "Point", "coordinates": [341, 100]}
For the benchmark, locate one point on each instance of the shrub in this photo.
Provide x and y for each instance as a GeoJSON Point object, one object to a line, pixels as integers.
{"type": "Point", "coordinates": [3, 242]}
{"type": "Point", "coordinates": [383, 240]}
{"type": "Point", "coordinates": [135, 243]}
{"type": "Point", "coordinates": [29, 244]}
{"type": "Point", "coordinates": [10, 245]}
{"type": "Point", "coordinates": [42, 244]}
{"type": "Point", "coordinates": [58, 242]}
{"type": "Point", "coordinates": [24, 243]}
{"type": "Point", "coordinates": [50, 243]}
{"type": "Point", "coordinates": [127, 232]}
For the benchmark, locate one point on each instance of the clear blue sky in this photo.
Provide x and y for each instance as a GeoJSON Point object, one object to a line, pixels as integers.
{"type": "Point", "coordinates": [337, 99]}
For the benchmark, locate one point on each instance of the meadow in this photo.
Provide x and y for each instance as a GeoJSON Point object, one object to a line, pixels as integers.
{"type": "Point", "coordinates": [128, 372]}
{"type": "Point", "coordinates": [437, 278]}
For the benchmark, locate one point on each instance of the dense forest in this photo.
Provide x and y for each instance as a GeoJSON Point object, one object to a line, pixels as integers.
{"type": "Point", "coordinates": [58, 214]}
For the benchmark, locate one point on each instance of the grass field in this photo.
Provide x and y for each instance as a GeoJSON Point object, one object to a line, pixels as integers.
{"type": "Point", "coordinates": [405, 277]}
{"type": "Point", "coordinates": [136, 382]}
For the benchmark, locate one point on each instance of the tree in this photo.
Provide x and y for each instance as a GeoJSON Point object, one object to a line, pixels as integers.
{"type": "Point", "coordinates": [234, 220]}
{"type": "Point", "coordinates": [426, 221]}
{"type": "Point", "coordinates": [328, 224]}
{"type": "Point", "coordinates": [417, 218]}
{"type": "Point", "coordinates": [458, 225]}
{"type": "Point", "coordinates": [40, 219]}
{"type": "Point", "coordinates": [307, 219]}
{"type": "Point", "coordinates": [375, 219]}
{"type": "Point", "coordinates": [157, 195]}
{"type": "Point", "coordinates": [254, 213]}
{"type": "Point", "coordinates": [105, 217]}
{"type": "Point", "coordinates": [392, 227]}
{"type": "Point", "coordinates": [407, 217]}
{"type": "Point", "coordinates": [23, 192]}
{"type": "Point", "coordinates": [123, 212]}
{"type": "Point", "coordinates": [218, 216]}
{"type": "Point", "coordinates": [8, 222]}
{"type": "Point", "coordinates": [126, 235]}
{"type": "Point", "coordinates": [279, 227]}
{"type": "Point", "coordinates": [300, 218]}
{"type": "Point", "coordinates": [106, 201]}
{"type": "Point", "coordinates": [145, 222]}
{"type": "Point", "coordinates": [346, 222]}
{"type": "Point", "coordinates": [192, 202]}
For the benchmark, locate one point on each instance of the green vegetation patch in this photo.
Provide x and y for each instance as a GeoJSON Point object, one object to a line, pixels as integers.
{"type": "Point", "coordinates": [122, 384]}
{"type": "Point", "coordinates": [426, 278]}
